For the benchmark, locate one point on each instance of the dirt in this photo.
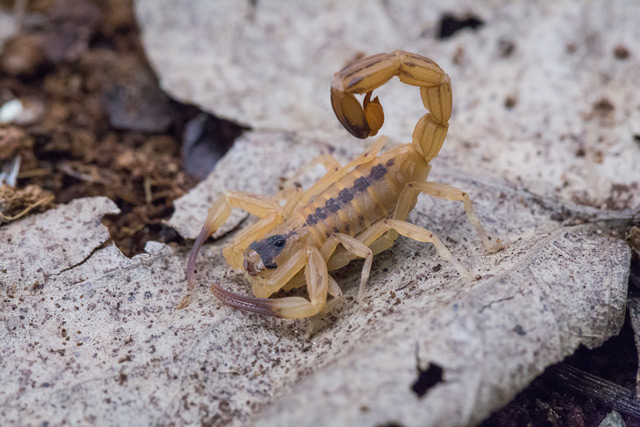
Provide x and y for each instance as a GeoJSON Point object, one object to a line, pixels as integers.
{"type": "Point", "coordinates": [546, 402]}
{"type": "Point", "coordinates": [95, 120]}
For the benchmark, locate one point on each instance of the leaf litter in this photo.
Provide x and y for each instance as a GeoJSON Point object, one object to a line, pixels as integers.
{"type": "Point", "coordinates": [98, 337]}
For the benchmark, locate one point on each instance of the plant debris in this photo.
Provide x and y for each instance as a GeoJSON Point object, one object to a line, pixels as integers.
{"type": "Point", "coordinates": [16, 203]}
{"type": "Point", "coordinates": [95, 122]}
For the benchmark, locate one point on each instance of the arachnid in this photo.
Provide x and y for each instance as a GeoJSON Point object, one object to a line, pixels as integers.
{"type": "Point", "coordinates": [361, 207]}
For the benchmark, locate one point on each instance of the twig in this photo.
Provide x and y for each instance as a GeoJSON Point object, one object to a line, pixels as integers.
{"type": "Point", "coordinates": [45, 199]}
{"type": "Point", "coordinates": [596, 388]}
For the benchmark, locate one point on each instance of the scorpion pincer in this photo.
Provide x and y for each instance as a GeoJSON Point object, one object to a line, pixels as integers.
{"type": "Point", "coordinates": [362, 206]}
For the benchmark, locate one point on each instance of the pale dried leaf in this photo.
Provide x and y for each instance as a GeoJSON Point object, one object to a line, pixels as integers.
{"type": "Point", "coordinates": [570, 132]}
{"type": "Point", "coordinates": [633, 307]}
{"type": "Point", "coordinates": [613, 419]}
{"type": "Point", "coordinates": [134, 358]}
{"type": "Point", "coordinates": [40, 246]}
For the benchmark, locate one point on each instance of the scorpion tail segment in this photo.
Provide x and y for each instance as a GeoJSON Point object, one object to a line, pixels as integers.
{"type": "Point", "coordinates": [374, 113]}
{"type": "Point", "coordinates": [429, 135]}
{"type": "Point", "coordinates": [350, 113]}
{"type": "Point", "coordinates": [369, 73]}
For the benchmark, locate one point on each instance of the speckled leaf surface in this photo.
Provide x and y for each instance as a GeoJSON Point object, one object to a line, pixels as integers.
{"type": "Point", "coordinates": [540, 97]}
{"type": "Point", "coordinates": [54, 242]}
{"type": "Point", "coordinates": [103, 342]}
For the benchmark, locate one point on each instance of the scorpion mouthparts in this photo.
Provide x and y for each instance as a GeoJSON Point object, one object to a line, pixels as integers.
{"type": "Point", "coordinates": [250, 264]}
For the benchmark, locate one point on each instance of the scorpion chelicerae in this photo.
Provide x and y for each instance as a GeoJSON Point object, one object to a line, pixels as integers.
{"type": "Point", "coordinates": [362, 206]}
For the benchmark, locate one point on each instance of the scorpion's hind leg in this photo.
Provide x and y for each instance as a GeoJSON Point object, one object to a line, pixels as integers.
{"type": "Point", "coordinates": [269, 212]}
{"type": "Point", "coordinates": [352, 246]}
{"type": "Point", "coordinates": [317, 280]}
{"type": "Point", "coordinates": [410, 193]}
{"type": "Point", "coordinates": [385, 232]}
{"type": "Point", "coordinates": [420, 234]}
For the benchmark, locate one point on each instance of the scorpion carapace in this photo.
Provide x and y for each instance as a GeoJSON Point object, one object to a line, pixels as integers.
{"type": "Point", "coordinates": [361, 206]}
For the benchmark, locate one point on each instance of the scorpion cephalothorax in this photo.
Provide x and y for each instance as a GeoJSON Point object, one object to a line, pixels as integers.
{"type": "Point", "coordinates": [361, 206]}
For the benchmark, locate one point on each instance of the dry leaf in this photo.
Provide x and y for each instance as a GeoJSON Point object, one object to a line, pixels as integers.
{"type": "Point", "coordinates": [552, 112]}
{"type": "Point", "coordinates": [633, 306]}
{"type": "Point", "coordinates": [103, 341]}
{"type": "Point", "coordinates": [8, 27]}
{"type": "Point", "coordinates": [41, 246]}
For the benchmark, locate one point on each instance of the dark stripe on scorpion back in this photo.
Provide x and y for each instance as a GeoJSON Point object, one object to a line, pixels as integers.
{"type": "Point", "coordinates": [346, 195]}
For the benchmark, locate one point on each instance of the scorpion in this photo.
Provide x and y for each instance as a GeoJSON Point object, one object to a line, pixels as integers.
{"type": "Point", "coordinates": [362, 206]}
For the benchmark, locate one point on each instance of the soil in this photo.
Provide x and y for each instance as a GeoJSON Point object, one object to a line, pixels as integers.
{"type": "Point", "coordinates": [95, 123]}
{"type": "Point", "coordinates": [547, 402]}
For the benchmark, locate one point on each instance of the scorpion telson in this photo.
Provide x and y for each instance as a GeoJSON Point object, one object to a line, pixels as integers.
{"type": "Point", "coordinates": [361, 207]}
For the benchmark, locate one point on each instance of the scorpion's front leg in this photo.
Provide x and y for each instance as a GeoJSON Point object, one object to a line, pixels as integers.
{"type": "Point", "coordinates": [266, 209]}
{"type": "Point", "coordinates": [317, 279]}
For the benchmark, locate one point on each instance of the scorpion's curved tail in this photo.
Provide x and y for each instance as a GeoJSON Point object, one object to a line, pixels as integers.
{"type": "Point", "coordinates": [372, 72]}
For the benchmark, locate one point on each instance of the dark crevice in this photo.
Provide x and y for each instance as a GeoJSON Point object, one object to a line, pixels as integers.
{"type": "Point", "coordinates": [450, 24]}
{"type": "Point", "coordinates": [550, 396]}
{"type": "Point", "coordinates": [86, 258]}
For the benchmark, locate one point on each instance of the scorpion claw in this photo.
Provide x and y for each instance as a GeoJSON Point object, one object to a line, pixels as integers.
{"type": "Point", "coordinates": [244, 302]}
{"type": "Point", "coordinates": [193, 255]}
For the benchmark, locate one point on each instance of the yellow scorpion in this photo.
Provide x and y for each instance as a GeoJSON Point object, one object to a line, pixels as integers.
{"type": "Point", "coordinates": [362, 206]}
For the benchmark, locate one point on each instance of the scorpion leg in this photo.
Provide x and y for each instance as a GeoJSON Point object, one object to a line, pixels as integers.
{"type": "Point", "coordinates": [384, 233]}
{"type": "Point", "coordinates": [268, 210]}
{"type": "Point", "coordinates": [355, 247]}
{"type": "Point", "coordinates": [294, 194]}
{"type": "Point", "coordinates": [420, 234]}
{"type": "Point", "coordinates": [377, 244]}
{"type": "Point", "coordinates": [317, 279]}
{"type": "Point", "coordinates": [410, 193]}
{"type": "Point", "coordinates": [327, 160]}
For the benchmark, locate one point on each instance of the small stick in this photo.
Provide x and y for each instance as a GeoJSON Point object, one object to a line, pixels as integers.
{"type": "Point", "coordinates": [596, 388]}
